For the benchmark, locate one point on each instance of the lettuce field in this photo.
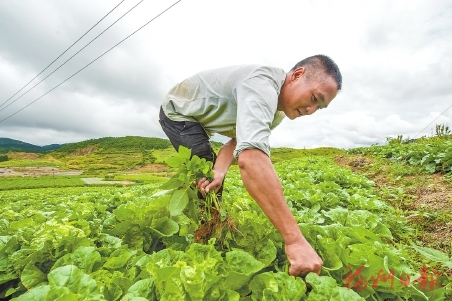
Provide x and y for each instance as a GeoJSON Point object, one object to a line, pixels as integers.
{"type": "Point", "coordinates": [144, 242]}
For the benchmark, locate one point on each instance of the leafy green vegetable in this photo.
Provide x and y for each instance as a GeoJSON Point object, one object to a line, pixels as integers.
{"type": "Point", "coordinates": [434, 255]}
{"type": "Point", "coordinates": [277, 286]}
{"type": "Point", "coordinates": [326, 288]}
{"type": "Point", "coordinates": [127, 243]}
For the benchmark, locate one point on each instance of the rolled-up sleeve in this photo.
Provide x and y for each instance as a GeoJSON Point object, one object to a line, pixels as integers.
{"type": "Point", "coordinates": [257, 101]}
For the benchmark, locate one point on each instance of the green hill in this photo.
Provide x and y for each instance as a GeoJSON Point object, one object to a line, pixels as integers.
{"type": "Point", "coordinates": [128, 144]}
{"type": "Point", "coordinates": [111, 154]}
{"type": "Point", "coordinates": [108, 145]}
{"type": "Point", "coordinates": [94, 156]}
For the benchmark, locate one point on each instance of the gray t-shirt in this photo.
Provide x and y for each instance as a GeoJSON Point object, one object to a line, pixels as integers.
{"type": "Point", "coordinates": [236, 101]}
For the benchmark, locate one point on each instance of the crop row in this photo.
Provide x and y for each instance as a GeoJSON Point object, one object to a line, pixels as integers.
{"type": "Point", "coordinates": [433, 156]}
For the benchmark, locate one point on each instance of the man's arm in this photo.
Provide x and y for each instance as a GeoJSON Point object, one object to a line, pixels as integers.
{"type": "Point", "coordinates": [224, 160]}
{"type": "Point", "coordinates": [262, 182]}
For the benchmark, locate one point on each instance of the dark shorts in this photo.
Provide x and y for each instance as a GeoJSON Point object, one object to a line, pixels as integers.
{"type": "Point", "coordinates": [189, 134]}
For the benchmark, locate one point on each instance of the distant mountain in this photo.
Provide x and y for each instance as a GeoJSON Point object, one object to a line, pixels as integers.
{"type": "Point", "coordinates": [11, 145]}
{"type": "Point", "coordinates": [128, 144]}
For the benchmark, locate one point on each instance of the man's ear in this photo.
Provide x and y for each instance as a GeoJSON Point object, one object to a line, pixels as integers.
{"type": "Point", "coordinates": [297, 73]}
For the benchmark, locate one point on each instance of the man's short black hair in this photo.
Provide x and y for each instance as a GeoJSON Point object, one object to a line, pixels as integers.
{"type": "Point", "coordinates": [325, 63]}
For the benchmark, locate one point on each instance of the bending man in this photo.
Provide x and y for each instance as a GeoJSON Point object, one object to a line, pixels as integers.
{"type": "Point", "coordinates": [245, 103]}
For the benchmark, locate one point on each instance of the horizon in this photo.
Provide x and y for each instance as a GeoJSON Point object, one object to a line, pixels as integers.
{"type": "Point", "coordinates": [44, 145]}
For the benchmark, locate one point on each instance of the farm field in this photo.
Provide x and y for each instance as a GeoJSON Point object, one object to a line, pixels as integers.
{"type": "Point", "coordinates": [380, 218]}
{"type": "Point", "coordinates": [12, 183]}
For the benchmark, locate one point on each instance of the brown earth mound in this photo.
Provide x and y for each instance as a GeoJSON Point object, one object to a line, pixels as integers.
{"type": "Point", "coordinates": [84, 151]}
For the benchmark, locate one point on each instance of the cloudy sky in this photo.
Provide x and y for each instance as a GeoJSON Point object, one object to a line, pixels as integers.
{"type": "Point", "coordinates": [395, 58]}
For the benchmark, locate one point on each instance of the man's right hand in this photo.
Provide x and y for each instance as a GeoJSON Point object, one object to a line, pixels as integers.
{"type": "Point", "coordinates": [302, 258]}
{"type": "Point", "coordinates": [204, 185]}
{"type": "Point", "coordinates": [224, 160]}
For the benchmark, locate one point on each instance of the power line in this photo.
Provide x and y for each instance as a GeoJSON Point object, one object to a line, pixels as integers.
{"type": "Point", "coordinates": [92, 61]}
{"type": "Point", "coordinates": [433, 121]}
{"type": "Point", "coordinates": [72, 56]}
{"type": "Point", "coordinates": [62, 54]}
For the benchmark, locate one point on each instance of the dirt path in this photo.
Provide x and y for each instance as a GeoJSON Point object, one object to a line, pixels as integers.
{"type": "Point", "coordinates": [102, 181]}
{"type": "Point", "coordinates": [37, 171]}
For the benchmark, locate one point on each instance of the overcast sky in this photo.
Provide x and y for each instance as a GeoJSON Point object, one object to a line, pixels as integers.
{"type": "Point", "coordinates": [395, 58]}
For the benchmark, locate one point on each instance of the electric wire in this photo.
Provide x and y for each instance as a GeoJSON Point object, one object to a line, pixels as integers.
{"type": "Point", "coordinates": [62, 53]}
{"type": "Point", "coordinates": [433, 121]}
{"type": "Point", "coordinates": [171, 6]}
{"type": "Point", "coordinates": [72, 56]}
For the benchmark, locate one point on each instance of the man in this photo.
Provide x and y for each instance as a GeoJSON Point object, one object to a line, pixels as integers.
{"type": "Point", "coordinates": [245, 103]}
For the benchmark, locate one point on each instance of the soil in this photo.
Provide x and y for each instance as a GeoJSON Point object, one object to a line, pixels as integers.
{"type": "Point", "coordinates": [37, 171]}
{"type": "Point", "coordinates": [84, 151]}
{"type": "Point", "coordinates": [215, 228]}
{"type": "Point", "coordinates": [436, 196]}
{"type": "Point", "coordinates": [352, 162]}
{"type": "Point", "coordinates": [154, 168]}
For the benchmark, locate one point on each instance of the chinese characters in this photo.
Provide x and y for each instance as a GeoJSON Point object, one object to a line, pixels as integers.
{"type": "Point", "coordinates": [359, 283]}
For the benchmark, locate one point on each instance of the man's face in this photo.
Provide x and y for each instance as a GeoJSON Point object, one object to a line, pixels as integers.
{"type": "Point", "coordinates": [299, 97]}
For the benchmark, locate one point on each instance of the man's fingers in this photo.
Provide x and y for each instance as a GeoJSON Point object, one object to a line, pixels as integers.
{"type": "Point", "coordinates": [210, 186]}
{"type": "Point", "coordinates": [203, 186]}
{"type": "Point", "coordinates": [215, 185]}
{"type": "Point", "coordinates": [303, 271]}
{"type": "Point", "coordinates": [297, 271]}
{"type": "Point", "coordinates": [202, 183]}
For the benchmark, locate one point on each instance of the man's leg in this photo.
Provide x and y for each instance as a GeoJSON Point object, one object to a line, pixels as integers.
{"type": "Point", "coordinates": [189, 134]}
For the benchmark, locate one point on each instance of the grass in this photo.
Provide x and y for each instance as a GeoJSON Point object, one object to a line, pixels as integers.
{"type": "Point", "coordinates": [161, 155]}
{"type": "Point", "coordinates": [281, 154]}
{"type": "Point", "coordinates": [32, 163]}
{"type": "Point", "coordinates": [96, 163]}
{"type": "Point", "coordinates": [11, 183]}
